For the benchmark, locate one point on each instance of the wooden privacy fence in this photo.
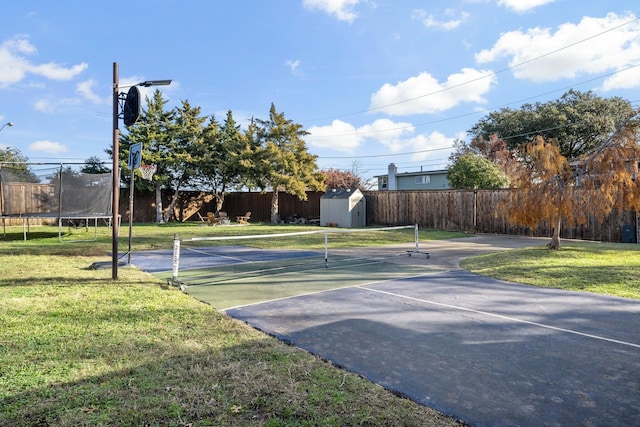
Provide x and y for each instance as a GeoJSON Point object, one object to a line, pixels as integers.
{"type": "Point", "coordinates": [453, 210]}
{"type": "Point", "coordinates": [235, 204]}
{"type": "Point", "coordinates": [480, 211]}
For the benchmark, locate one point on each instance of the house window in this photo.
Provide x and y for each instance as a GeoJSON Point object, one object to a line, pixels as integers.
{"type": "Point", "coordinates": [382, 183]}
{"type": "Point", "coordinates": [423, 179]}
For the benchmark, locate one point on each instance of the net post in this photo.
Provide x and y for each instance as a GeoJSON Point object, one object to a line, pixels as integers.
{"type": "Point", "coordinates": [326, 249]}
{"type": "Point", "coordinates": [176, 257]}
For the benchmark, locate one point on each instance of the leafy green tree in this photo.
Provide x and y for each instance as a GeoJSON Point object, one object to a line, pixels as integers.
{"type": "Point", "coordinates": [473, 171]}
{"type": "Point", "coordinates": [283, 161]}
{"type": "Point", "coordinates": [578, 122]}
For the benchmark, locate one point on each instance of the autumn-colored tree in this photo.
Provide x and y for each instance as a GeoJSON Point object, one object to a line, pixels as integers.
{"type": "Point", "coordinates": [544, 189]}
{"type": "Point", "coordinates": [551, 188]}
{"type": "Point", "coordinates": [336, 178]}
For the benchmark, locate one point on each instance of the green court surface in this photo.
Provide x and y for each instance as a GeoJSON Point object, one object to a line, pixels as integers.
{"type": "Point", "coordinates": [223, 290]}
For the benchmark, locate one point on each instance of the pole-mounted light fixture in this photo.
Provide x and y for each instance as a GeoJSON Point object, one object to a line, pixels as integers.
{"type": "Point", "coordinates": [6, 124]}
{"type": "Point", "coordinates": [154, 83]}
{"type": "Point", "coordinates": [131, 110]}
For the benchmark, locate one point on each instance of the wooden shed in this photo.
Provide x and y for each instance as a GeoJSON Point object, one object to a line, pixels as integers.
{"type": "Point", "coordinates": [340, 207]}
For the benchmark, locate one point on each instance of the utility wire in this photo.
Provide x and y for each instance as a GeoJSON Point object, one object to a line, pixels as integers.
{"type": "Point", "coordinates": [493, 74]}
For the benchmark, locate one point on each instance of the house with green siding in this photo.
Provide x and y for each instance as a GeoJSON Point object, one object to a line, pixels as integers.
{"type": "Point", "coordinates": [422, 180]}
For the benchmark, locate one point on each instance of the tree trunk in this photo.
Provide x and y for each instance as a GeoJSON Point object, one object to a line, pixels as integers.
{"type": "Point", "coordinates": [174, 200]}
{"type": "Point", "coordinates": [158, 203]}
{"type": "Point", "coordinates": [555, 238]}
{"type": "Point", "coordinates": [219, 202]}
{"type": "Point", "coordinates": [274, 207]}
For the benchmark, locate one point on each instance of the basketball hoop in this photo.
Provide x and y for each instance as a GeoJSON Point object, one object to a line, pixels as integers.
{"type": "Point", "coordinates": [147, 171]}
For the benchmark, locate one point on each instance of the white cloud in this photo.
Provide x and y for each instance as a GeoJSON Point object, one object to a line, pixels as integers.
{"type": "Point", "coordinates": [44, 106]}
{"type": "Point", "coordinates": [294, 67]}
{"type": "Point", "coordinates": [397, 137]}
{"type": "Point", "coordinates": [423, 94]}
{"type": "Point", "coordinates": [47, 147]}
{"type": "Point", "coordinates": [435, 145]}
{"type": "Point", "coordinates": [605, 49]}
{"type": "Point", "coordinates": [54, 71]}
{"type": "Point", "coordinates": [345, 137]}
{"type": "Point", "coordinates": [342, 9]}
{"type": "Point", "coordinates": [387, 132]}
{"type": "Point", "coordinates": [340, 136]}
{"type": "Point", "coordinates": [429, 21]}
{"type": "Point", "coordinates": [14, 66]}
{"type": "Point", "coordinates": [523, 5]}
{"type": "Point", "coordinates": [85, 89]}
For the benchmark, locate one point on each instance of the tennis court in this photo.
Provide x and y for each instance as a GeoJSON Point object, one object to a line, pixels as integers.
{"type": "Point", "coordinates": [484, 351]}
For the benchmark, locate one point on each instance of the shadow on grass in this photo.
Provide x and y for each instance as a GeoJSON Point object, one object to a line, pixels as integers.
{"type": "Point", "coordinates": [249, 384]}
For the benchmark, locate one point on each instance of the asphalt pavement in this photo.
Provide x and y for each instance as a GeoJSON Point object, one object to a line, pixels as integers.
{"type": "Point", "coordinates": [487, 352]}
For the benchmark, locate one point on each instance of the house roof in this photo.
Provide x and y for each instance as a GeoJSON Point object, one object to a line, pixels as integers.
{"type": "Point", "coordinates": [418, 173]}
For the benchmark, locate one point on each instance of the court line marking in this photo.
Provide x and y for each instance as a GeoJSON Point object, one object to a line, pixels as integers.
{"type": "Point", "coordinates": [375, 282]}
{"type": "Point", "coordinates": [500, 316]}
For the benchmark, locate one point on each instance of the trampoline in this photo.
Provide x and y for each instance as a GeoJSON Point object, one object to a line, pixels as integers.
{"type": "Point", "coordinates": [55, 194]}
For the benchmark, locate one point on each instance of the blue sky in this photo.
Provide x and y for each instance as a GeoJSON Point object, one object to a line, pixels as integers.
{"type": "Point", "coordinates": [374, 81]}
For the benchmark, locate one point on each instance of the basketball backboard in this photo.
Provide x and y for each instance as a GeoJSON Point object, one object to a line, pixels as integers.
{"type": "Point", "coordinates": [135, 155]}
{"type": "Point", "coordinates": [131, 108]}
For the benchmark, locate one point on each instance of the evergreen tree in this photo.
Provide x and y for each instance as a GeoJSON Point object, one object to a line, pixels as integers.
{"type": "Point", "coordinates": [182, 157]}
{"type": "Point", "coordinates": [94, 165]}
{"type": "Point", "coordinates": [283, 162]}
{"type": "Point", "coordinates": [13, 161]}
{"type": "Point", "coordinates": [155, 130]}
{"type": "Point", "coordinates": [221, 155]}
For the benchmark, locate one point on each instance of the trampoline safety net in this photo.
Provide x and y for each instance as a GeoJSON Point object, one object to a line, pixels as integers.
{"type": "Point", "coordinates": [55, 193]}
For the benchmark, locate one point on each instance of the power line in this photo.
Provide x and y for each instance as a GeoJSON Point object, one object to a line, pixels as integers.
{"type": "Point", "coordinates": [469, 114]}
{"type": "Point", "coordinates": [482, 77]}
{"type": "Point", "coordinates": [485, 110]}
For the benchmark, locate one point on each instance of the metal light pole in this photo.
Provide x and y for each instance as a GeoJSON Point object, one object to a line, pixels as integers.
{"type": "Point", "coordinates": [6, 124]}
{"type": "Point", "coordinates": [115, 203]}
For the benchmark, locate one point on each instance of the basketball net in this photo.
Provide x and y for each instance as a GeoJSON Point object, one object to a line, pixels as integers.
{"type": "Point", "coordinates": [147, 171]}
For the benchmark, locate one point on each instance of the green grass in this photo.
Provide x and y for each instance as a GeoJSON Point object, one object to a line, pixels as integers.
{"type": "Point", "coordinates": [77, 348]}
{"type": "Point", "coordinates": [605, 268]}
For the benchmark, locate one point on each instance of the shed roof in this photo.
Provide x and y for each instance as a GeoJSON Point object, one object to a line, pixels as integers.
{"type": "Point", "coordinates": [340, 193]}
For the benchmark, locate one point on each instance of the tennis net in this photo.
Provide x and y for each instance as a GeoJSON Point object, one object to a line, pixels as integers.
{"type": "Point", "coordinates": [220, 259]}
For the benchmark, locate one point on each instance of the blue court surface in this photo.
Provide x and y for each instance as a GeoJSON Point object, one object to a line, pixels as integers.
{"type": "Point", "coordinates": [158, 261]}
{"type": "Point", "coordinates": [487, 352]}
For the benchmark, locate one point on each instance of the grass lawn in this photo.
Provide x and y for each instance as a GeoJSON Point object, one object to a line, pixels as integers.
{"type": "Point", "coordinates": [77, 348]}
{"type": "Point", "coordinates": [605, 268]}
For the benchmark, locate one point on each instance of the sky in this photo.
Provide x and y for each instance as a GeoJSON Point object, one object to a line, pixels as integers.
{"type": "Point", "coordinates": [373, 81]}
